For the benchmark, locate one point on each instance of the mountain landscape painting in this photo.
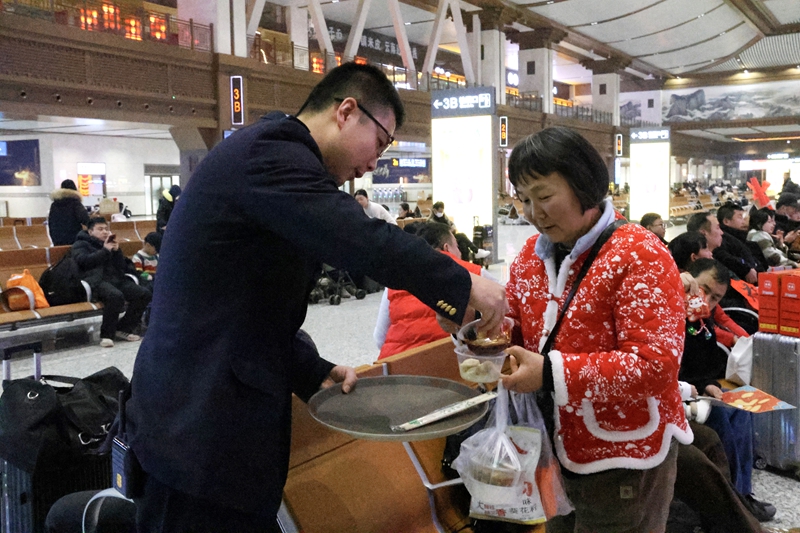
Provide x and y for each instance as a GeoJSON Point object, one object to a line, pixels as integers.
{"type": "Point", "coordinates": [732, 102]}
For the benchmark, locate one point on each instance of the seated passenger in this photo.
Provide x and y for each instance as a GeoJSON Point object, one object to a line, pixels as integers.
{"type": "Point", "coordinates": [104, 268]}
{"type": "Point", "coordinates": [145, 261]}
{"type": "Point", "coordinates": [466, 247]}
{"type": "Point", "coordinates": [372, 209]}
{"type": "Point", "coordinates": [655, 223]}
{"type": "Point", "coordinates": [732, 221]}
{"type": "Point", "coordinates": [403, 321]}
{"type": "Point", "coordinates": [405, 211]}
{"type": "Point", "coordinates": [687, 248]}
{"type": "Point", "coordinates": [725, 248]}
{"type": "Point", "coordinates": [762, 224]}
{"type": "Point", "coordinates": [703, 364]}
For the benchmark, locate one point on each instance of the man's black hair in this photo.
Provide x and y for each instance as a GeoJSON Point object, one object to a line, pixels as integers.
{"type": "Point", "coordinates": [699, 221]}
{"type": "Point", "coordinates": [95, 221]}
{"type": "Point", "coordinates": [649, 218]}
{"type": "Point", "coordinates": [760, 217]}
{"type": "Point", "coordinates": [718, 271]}
{"type": "Point", "coordinates": [726, 212]}
{"type": "Point", "coordinates": [366, 83]}
{"type": "Point", "coordinates": [435, 234]}
{"type": "Point", "coordinates": [684, 245]}
{"type": "Point", "coordinates": [561, 150]}
{"type": "Point", "coordinates": [361, 192]}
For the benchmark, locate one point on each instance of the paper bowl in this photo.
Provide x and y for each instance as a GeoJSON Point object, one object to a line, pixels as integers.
{"type": "Point", "coordinates": [492, 485]}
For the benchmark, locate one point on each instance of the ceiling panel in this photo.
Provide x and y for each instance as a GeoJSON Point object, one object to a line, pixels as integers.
{"type": "Point", "coordinates": [718, 47]}
{"type": "Point", "coordinates": [781, 128]}
{"type": "Point", "coordinates": [579, 12]}
{"type": "Point", "coordinates": [734, 131]}
{"type": "Point", "coordinates": [707, 135]}
{"type": "Point", "coordinates": [785, 11]}
{"type": "Point", "coordinates": [695, 30]}
{"type": "Point", "coordinates": [656, 18]}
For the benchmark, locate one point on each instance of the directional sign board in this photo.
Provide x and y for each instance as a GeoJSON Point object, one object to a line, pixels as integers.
{"type": "Point", "coordinates": [462, 102]}
{"type": "Point", "coordinates": [649, 135]}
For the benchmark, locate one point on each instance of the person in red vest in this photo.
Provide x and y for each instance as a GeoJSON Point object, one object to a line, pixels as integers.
{"type": "Point", "coordinates": [403, 321]}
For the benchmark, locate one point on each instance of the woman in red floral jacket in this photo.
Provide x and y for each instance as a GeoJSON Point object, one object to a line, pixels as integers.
{"type": "Point", "coordinates": [613, 368]}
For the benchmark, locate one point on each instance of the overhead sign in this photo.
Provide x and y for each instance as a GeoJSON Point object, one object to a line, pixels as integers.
{"type": "Point", "coordinates": [237, 101]}
{"type": "Point", "coordinates": [653, 135]}
{"type": "Point", "coordinates": [503, 131]}
{"type": "Point", "coordinates": [778, 156]}
{"type": "Point", "coordinates": [618, 144]}
{"type": "Point", "coordinates": [462, 102]}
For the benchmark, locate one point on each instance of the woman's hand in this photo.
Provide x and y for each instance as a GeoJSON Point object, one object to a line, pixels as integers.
{"type": "Point", "coordinates": [714, 391]}
{"type": "Point", "coordinates": [690, 284]}
{"type": "Point", "coordinates": [526, 370]}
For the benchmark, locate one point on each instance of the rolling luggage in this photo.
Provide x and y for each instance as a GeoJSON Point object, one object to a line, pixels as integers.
{"type": "Point", "coordinates": [775, 371]}
{"type": "Point", "coordinates": [49, 439]}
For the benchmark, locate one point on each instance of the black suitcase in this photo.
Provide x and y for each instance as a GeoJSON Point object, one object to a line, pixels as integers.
{"type": "Point", "coordinates": [27, 497]}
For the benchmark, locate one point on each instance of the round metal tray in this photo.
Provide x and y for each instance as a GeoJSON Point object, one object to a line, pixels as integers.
{"type": "Point", "coordinates": [377, 403]}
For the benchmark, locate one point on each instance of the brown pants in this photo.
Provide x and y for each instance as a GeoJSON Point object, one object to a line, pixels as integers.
{"type": "Point", "coordinates": [620, 500]}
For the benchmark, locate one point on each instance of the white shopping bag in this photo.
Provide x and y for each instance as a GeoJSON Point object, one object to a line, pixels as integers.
{"type": "Point", "coordinates": [740, 362]}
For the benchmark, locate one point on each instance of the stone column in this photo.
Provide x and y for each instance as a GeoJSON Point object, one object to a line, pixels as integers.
{"type": "Point", "coordinates": [297, 24]}
{"type": "Point", "coordinates": [605, 84]}
{"type": "Point", "coordinates": [536, 53]}
{"type": "Point", "coordinates": [489, 32]}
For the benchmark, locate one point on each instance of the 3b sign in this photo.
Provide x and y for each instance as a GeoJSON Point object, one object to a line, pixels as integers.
{"type": "Point", "coordinates": [237, 101]}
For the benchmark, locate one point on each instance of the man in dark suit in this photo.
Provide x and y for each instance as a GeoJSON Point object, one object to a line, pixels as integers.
{"type": "Point", "coordinates": [210, 414]}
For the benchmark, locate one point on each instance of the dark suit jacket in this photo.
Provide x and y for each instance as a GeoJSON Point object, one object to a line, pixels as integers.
{"type": "Point", "coordinates": [733, 254]}
{"type": "Point", "coordinates": [210, 412]}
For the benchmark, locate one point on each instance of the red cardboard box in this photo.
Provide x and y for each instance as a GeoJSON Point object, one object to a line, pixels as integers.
{"type": "Point", "coordinates": [778, 292]}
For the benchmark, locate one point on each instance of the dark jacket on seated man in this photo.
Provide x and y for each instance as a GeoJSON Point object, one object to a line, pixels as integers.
{"type": "Point", "coordinates": [736, 256]}
{"type": "Point", "coordinates": [96, 263]}
{"type": "Point", "coordinates": [753, 247]}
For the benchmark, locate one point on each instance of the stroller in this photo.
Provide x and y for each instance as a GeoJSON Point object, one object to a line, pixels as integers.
{"type": "Point", "coordinates": [334, 284]}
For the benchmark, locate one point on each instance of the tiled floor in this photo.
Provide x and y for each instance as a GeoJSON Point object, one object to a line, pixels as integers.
{"type": "Point", "coordinates": [344, 335]}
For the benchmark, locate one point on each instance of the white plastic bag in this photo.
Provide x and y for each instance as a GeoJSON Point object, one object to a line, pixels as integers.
{"type": "Point", "coordinates": [523, 503]}
{"type": "Point", "coordinates": [740, 362]}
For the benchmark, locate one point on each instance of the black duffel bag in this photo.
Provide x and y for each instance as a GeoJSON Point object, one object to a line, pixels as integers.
{"type": "Point", "coordinates": [42, 425]}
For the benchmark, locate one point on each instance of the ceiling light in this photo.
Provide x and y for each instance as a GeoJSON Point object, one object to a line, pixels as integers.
{"type": "Point", "coordinates": [746, 71]}
{"type": "Point", "coordinates": [678, 77]}
{"type": "Point", "coordinates": [550, 2]}
{"type": "Point", "coordinates": [408, 24]}
{"type": "Point", "coordinates": [721, 34]}
{"type": "Point", "coordinates": [594, 24]}
{"type": "Point", "coordinates": [701, 15]}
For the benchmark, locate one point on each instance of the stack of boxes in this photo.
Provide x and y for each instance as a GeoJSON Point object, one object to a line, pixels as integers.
{"type": "Point", "coordinates": [779, 302]}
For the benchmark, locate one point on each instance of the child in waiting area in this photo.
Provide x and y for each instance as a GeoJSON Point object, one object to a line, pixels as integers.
{"type": "Point", "coordinates": [146, 259]}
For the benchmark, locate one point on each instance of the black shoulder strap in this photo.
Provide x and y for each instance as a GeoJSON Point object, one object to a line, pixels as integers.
{"type": "Point", "coordinates": [601, 240]}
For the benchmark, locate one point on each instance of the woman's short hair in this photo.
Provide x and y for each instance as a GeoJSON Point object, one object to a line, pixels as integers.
{"type": "Point", "coordinates": [561, 150]}
{"type": "Point", "coordinates": [361, 192]}
{"type": "Point", "coordinates": [437, 206]}
{"type": "Point", "coordinates": [760, 217]}
{"type": "Point", "coordinates": [648, 219]}
{"type": "Point", "coordinates": [404, 206]}
{"type": "Point", "coordinates": [684, 245]}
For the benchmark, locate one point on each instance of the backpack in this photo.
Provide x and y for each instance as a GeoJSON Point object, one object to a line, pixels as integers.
{"type": "Point", "coordinates": [61, 282]}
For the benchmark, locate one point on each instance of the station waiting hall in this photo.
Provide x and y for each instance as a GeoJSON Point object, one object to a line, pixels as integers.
{"type": "Point", "coordinates": [181, 190]}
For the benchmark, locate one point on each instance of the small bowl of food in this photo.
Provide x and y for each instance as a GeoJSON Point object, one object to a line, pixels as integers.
{"type": "Point", "coordinates": [479, 368]}
{"type": "Point", "coordinates": [479, 343]}
{"type": "Point", "coordinates": [492, 483]}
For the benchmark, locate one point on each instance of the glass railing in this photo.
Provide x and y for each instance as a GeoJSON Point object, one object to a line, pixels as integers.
{"type": "Point", "coordinates": [107, 17]}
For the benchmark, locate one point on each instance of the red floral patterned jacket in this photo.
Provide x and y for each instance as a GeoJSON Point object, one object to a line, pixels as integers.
{"type": "Point", "coordinates": [616, 357]}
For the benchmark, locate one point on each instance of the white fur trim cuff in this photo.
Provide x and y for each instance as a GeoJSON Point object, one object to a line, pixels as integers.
{"type": "Point", "coordinates": [559, 379]}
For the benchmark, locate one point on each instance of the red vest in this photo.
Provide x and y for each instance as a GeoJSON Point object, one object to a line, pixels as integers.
{"type": "Point", "coordinates": [412, 323]}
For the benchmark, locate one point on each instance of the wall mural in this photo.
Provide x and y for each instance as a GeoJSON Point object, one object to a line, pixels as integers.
{"type": "Point", "coordinates": [732, 102]}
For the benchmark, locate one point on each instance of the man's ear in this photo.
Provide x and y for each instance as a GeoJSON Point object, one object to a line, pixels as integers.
{"type": "Point", "coordinates": [344, 110]}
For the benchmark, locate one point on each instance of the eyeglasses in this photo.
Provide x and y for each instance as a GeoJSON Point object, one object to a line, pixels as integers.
{"type": "Point", "coordinates": [375, 120]}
